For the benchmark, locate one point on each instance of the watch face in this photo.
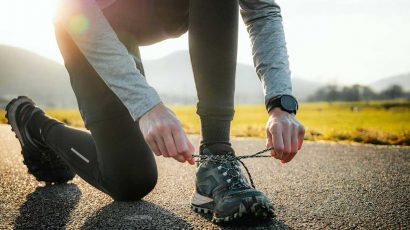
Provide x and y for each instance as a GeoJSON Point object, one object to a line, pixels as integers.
{"type": "Point", "coordinates": [289, 103]}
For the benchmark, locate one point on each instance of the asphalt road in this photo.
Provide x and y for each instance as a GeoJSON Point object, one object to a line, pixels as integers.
{"type": "Point", "coordinates": [332, 186]}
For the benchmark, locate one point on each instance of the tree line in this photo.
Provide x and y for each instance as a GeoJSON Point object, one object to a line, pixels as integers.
{"type": "Point", "coordinates": [332, 93]}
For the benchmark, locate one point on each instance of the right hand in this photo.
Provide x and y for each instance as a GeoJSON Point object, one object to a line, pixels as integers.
{"type": "Point", "coordinates": [164, 134]}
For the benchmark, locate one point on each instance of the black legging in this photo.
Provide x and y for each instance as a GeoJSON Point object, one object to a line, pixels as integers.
{"type": "Point", "coordinates": [115, 158]}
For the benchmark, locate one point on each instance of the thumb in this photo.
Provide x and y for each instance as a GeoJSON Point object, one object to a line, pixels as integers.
{"type": "Point", "coordinates": [179, 158]}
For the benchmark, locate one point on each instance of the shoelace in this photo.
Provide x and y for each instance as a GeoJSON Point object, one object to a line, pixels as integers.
{"type": "Point", "coordinates": [230, 157]}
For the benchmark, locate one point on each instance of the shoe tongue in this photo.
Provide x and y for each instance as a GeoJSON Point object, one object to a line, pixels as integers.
{"type": "Point", "coordinates": [217, 149]}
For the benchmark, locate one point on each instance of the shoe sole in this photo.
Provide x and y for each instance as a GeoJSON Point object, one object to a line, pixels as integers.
{"type": "Point", "coordinates": [260, 209]}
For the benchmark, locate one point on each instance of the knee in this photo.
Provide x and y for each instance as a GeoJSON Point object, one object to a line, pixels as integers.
{"type": "Point", "coordinates": [173, 16]}
{"type": "Point", "coordinates": [132, 187]}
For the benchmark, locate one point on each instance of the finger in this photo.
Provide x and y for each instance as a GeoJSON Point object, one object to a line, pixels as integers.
{"type": "Point", "coordinates": [154, 148]}
{"type": "Point", "coordinates": [161, 145]}
{"type": "Point", "coordinates": [180, 141]}
{"type": "Point", "coordinates": [269, 142]}
{"type": "Point", "coordinates": [170, 144]}
{"type": "Point", "coordinates": [294, 145]}
{"type": "Point", "coordinates": [294, 139]}
{"type": "Point", "coordinates": [278, 142]}
{"type": "Point", "coordinates": [191, 147]}
{"type": "Point", "coordinates": [179, 158]}
{"type": "Point", "coordinates": [289, 157]}
{"type": "Point", "coordinates": [301, 136]}
{"type": "Point", "coordinates": [191, 151]}
{"type": "Point", "coordinates": [191, 161]}
{"type": "Point", "coordinates": [182, 144]}
{"type": "Point", "coordinates": [287, 139]}
{"type": "Point", "coordinates": [150, 140]}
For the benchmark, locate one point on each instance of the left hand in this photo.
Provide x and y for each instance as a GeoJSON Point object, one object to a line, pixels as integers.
{"type": "Point", "coordinates": [164, 134]}
{"type": "Point", "coordinates": [284, 133]}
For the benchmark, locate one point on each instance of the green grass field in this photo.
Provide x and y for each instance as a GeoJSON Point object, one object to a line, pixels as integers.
{"type": "Point", "coordinates": [374, 122]}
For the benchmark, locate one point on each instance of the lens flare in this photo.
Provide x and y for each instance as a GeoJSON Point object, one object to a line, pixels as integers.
{"type": "Point", "coordinates": [78, 24]}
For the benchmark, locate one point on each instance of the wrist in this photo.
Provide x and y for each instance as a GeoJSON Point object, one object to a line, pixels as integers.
{"type": "Point", "coordinates": [152, 111]}
{"type": "Point", "coordinates": [285, 102]}
{"type": "Point", "coordinates": [277, 111]}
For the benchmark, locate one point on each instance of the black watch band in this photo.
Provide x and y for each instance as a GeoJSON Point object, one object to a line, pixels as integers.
{"type": "Point", "coordinates": [286, 102]}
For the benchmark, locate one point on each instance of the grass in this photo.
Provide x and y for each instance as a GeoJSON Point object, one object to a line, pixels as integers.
{"type": "Point", "coordinates": [385, 123]}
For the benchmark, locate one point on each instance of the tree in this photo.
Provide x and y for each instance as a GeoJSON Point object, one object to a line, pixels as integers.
{"type": "Point", "coordinates": [392, 92]}
{"type": "Point", "coordinates": [351, 93]}
{"type": "Point", "coordinates": [331, 93]}
{"type": "Point", "coordinates": [328, 93]}
{"type": "Point", "coordinates": [368, 93]}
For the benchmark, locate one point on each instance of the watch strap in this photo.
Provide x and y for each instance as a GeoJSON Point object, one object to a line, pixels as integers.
{"type": "Point", "coordinates": [273, 103]}
{"type": "Point", "coordinates": [277, 102]}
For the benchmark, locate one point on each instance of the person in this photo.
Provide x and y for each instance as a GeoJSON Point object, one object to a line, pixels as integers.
{"type": "Point", "coordinates": [99, 41]}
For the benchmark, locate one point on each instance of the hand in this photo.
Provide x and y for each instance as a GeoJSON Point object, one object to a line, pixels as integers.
{"type": "Point", "coordinates": [284, 133]}
{"type": "Point", "coordinates": [164, 134]}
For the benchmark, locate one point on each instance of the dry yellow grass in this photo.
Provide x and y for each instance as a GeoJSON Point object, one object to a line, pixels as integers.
{"type": "Point", "coordinates": [358, 122]}
{"type": "Point", "coordinates": [365, 123]}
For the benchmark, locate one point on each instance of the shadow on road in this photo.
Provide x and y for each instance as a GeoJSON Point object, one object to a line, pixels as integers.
{"type": "Point", "coordinates": [135, 215]}
{"type": "Point", "coordinates": [48, 207]}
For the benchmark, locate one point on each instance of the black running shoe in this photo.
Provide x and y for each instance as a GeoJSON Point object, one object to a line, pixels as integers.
{"type": "Point", "coordinates": [42, 162]}
{"type": "Point", "coordinates": [222, 189]}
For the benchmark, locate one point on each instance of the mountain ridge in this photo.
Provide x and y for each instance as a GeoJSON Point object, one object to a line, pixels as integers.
{"type": "Point", "coordinates": [47, 82]}
{"type": "Point", "coordinates": [248, 88]}
{"type": "Point", "coordinates": [401, 79]}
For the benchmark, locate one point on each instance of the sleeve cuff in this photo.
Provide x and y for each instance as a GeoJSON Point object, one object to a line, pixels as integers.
{"type": "Point", "coordinates": [137, 110]}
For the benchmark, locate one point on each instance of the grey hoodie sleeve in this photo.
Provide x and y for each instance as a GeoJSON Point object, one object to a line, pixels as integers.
{"type": "Point", "coordinates": [264, 24]}
{"type": "Point", "coordinates": [94, 36]}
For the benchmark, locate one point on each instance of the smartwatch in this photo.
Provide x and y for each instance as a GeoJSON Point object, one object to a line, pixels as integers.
{"type": "Point", "coordinates": [287, 103]}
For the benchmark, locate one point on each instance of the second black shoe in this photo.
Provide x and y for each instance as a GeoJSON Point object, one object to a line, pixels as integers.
{"type": "Point", "coordinates": [222, 189]}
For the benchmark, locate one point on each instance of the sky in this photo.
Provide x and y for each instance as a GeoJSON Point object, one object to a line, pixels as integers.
{"type": "Point", "coordinates": [330, 41]}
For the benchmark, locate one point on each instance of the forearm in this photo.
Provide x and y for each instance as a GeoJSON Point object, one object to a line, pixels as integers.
{"type": "Point", "coordinates": [264, 24]}
{"type": "Point", "coordinates": [109, 57]}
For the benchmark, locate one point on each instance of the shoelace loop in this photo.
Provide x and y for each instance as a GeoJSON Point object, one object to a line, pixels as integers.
{"type": "Point", "coordinates": [230, 157]}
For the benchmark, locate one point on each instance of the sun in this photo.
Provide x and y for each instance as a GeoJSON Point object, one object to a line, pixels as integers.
{"type": "Point", "coordinates": [29, 25]}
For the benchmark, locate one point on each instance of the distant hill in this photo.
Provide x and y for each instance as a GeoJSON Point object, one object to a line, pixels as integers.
{"type": "Point", "coordinates": [47, 82]}
{"type": "Point", "coordinates": [26, 73]}
{"type": "Point", "coordinates": [172, 76]}
{"type": "Point", "coordinates": [403, 80]}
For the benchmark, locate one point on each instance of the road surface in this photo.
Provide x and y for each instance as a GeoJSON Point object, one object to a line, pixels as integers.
{"type": "Point", "coordinates": [326, 186]}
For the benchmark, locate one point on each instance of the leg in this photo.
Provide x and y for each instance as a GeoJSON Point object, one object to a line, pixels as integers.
{"type": "Point", "coordinates": [213, 31]}
{"type": "Point", "coordinates": [221, 186]}
{"type": "Point", "coordinates": [148, 21]}
{"type": "Point", "coordinates": [114, 157]}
